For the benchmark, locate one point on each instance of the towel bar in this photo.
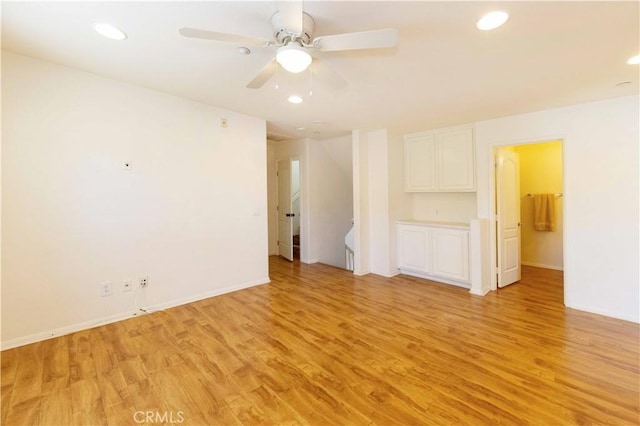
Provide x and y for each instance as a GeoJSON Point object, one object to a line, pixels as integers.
{"type": "Point", "coordinates": [557, 194]}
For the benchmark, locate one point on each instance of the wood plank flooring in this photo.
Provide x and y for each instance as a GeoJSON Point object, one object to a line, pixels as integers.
{"type": "Point", "coordinates": [320, 346]}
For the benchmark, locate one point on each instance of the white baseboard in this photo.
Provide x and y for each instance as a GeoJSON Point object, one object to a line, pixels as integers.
{"type": "Point", "coordinates": [542, 265]}
{"type": "Point", "coordinates": [57, 332]}
{"type": "Point", "coordinates": [435, 278]}
{"type": "Point", "coordinates": [606, 313]}
{"type": "Point", "coordinates": [387, 274]}
{"type": "Point", "coordinates": [209, 294]}
{"type": "Point", "coordinates": [480, 292]}
{"type": "Point", "coordinates": [309, 261]}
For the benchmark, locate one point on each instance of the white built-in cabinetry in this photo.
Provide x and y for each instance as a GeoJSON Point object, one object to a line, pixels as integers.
{"type": "Point", "coordinates": [437, 251]}
{"type": "Point", "coordinates": [440, 161]}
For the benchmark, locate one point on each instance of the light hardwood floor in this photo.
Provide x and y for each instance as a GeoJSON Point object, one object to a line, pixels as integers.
{"type": "Point", "coordinates": [320, 346]}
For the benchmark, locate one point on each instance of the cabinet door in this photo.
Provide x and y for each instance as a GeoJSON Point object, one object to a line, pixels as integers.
{"type": "Point", "coordinates": [456, 161]}
{"type": "Point", "coordinates": [450, 253]}
{"type": "Point", "coordinates": [413, 248]}
{"type": "Point", "coordinates": [420, 164]}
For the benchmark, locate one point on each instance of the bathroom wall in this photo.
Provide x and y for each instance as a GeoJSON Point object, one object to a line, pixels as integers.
{"type": "Point", "coordinates": [540, 173]}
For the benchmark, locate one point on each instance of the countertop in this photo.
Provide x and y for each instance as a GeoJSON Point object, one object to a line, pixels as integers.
{"type": "Point", "coordinates": [440, 224]}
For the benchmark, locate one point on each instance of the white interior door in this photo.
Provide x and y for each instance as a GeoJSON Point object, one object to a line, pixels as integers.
{"type": "Point", "coordinates": [285, 211]}
{"type": "Point", "coordinates": [508, 203]}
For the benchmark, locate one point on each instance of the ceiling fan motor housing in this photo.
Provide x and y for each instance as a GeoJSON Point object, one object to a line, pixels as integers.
{"type": "Point", "coordinates": [282, 35]}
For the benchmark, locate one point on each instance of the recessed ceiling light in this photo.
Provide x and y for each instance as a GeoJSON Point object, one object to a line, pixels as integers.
{"type": "Point", "coordinates": [295, 99]}
{"type": "Point", "coordinates": [634, 61]}
{"type": "Point", "coordinates": [316, 133]}
{"type": "Point", "coordinates": [244, 50]}
{"type": "Point", "coordinates": [492, 20]}
{"type": "Point", "coordinates": [109, 31]}
{"type": "Point", "coordinates": [300, 129]}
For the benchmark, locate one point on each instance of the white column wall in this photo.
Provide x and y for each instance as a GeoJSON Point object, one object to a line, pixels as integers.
{"type": "Point", "coordinates": [360, 203]}
{"type": "Point", "coordinates": [378, 179]}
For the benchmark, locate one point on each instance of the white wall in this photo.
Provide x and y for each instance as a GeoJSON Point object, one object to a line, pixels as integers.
{"type": "Point", "coordinates": [360, 202]}
{"type": "Point", "coordinates": [601, 196]}
{"type": "Point", "coordinates": [444, 206]}
{"type": "Point", "coordinates": [295, 177]}
{"type": "Point", "coordinates": [379, 224]}
{"type": "Point", "coordinates": [331, 206]}
{"type": "Point", "coordinates": [379, 200]}
{"type": "Point", "coordinates": [73, 217]}
{"type": "Point", "coordinates": [295, 195]}
{"type": "Point", "coordinates": [272, 199]}
{"type": "Point", "coordinates": [400, 202]}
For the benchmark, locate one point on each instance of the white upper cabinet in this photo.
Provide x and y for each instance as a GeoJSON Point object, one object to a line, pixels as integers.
{"type": "Point", "coordinates": [440, 161]}
{"type": "Point", "coordinates": [456, 161]}
{"type": "Point", "coordinates": [420, 161]}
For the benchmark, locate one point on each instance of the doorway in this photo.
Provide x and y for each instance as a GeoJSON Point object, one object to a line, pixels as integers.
{"type": "Point", "coordinates": [529, 215]}
{"type": "Point", "coordinates": [295, 206]}
{"type": "Point", "coordinates": [288, 208]}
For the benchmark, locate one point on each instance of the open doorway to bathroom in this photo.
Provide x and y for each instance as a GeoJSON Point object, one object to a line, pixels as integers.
{"type": "Point", "coordinates": [529, 211]}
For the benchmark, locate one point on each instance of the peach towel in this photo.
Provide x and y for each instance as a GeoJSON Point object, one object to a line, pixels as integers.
{"type": "Point", "coordinates": [544, 212]}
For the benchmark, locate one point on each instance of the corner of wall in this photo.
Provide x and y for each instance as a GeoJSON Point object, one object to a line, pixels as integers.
{"type": "Point", "coordinates": [479, 256]}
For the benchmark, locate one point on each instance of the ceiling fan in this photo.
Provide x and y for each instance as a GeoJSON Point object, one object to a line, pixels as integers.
{"type": "Point", "coordinates": [294, 41]}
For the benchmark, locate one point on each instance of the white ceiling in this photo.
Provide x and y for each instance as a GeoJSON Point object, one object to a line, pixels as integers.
{"type": "Point", "coordinates": [443, 72]}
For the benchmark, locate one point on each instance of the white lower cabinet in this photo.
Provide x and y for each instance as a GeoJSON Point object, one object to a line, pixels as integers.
{"type": "Point", "coordinates": [413, 248]}
{"type": "Point", "coordinates": [450, 253]}
{"type": "Point", "coordinates": [438, 252]}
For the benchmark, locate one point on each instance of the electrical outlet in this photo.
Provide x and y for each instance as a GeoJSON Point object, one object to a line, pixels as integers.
{"type": "Point", "coordinates": [105, 289]}
{"type": "Point", "coordinates": [143, 282]}
{"type": "Point", "coordinates": [127, 285]}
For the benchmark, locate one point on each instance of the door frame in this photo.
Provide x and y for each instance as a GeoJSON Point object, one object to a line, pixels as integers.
{"type": "Point", "coordinates": [303, 230]}
{"type": "Point", "coordinates": [493, 235]}
{"type": "Point", "coordinates": [502, 154]}
{"type": "Point", "coordinates": [284, 164]}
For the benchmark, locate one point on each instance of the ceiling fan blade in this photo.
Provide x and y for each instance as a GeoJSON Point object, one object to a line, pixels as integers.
{"type": "Point", "coordinates": [264, 75]}
{"type": "Point", "coordinates": [224, 37]}
{"type": "Point", "coordinates": [327, 76]}
{"type": "Point", "coordinates": [291, 15]}
{"type": "Point", "coordinates": [362, 40]}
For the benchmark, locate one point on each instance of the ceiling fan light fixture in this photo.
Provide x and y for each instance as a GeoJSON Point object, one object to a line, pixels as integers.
{"type": "Point", "coordinates": [492, 20]}
{"type": "Point", "coordinates": [293, 58]}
